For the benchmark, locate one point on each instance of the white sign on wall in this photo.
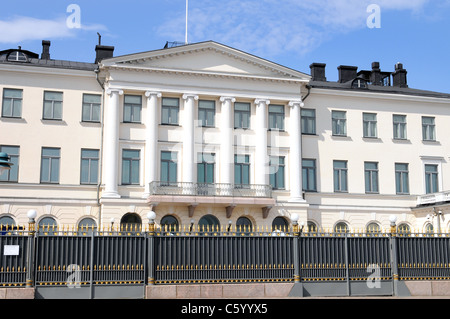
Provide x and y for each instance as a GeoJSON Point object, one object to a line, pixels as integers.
{"type": "Point", "coordinates": [11, 250]}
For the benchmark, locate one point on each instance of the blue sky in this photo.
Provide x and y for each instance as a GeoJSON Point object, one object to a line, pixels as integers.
{"type": "Point", "coordinates": [293, 33]}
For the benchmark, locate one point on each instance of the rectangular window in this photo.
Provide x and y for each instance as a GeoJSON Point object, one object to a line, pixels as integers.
{"type": "Point", "coordinates": [205, 168]}
{"type": "Point", "coordinates": [276, 169]}
{"type": "Point", "coordinates": [242, 115]}
{"type": "Point", "coordinates": [340, 176]}
{"type": "Point", "coordinates": [401, 178]}
{"type": "Point", "coordinates": [132, 107]}
{"type": "Point", "coordinates": [308, 121]}
{"type": "Point", "coordinates": [371, 176]}
{"type": "Point", "coordinates": [241, 170]}
{"type": "Point", "coordinates": [50, 161]}
{"type": "Point", "coordinates": [428, 129]}
{"type": "Point", "coordinates": [12, 103]}
{"type": "Point", "coordinates": [339, 123]}
{"type": "Point", "coordinates": [12, 174]}
{"type": "Point", "coordinates": [130, 167]}
{"type": "Point", "coordinates": [369, 125]}
{"type": "Point", "coordinates": [53, 105]}
{"type": "Point", "coordinates": [276, 117]}
{"type": "Point", "coordinates": [431, 179]}
{"type": "Point", "coordinates": [89, 166]}
{"type": "Point", "coordinates": [399, 122]}
{"type": "Point", "coordinates": [169, 111]}
{"type": "Point", "coordinates": [309, 175]}
{"type": "Point", "coordinates": [206, 113]}
{"type": "Point", "coordinates": [168, 167]}
{"type": "Point", "coordinates": [91, 108]}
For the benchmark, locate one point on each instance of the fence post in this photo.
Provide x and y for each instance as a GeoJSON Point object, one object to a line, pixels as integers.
{"type": "Point", "coordinates": [151, 260]}
{"type": "Point", "coordinates": [297, 290]}
{"type": "Point", "coordinates": [30, 256]}
{"type": "Point", "coordinates": [394, 262]}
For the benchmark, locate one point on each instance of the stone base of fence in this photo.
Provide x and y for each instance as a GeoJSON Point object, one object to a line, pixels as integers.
{"type": "Point", "coordinates": [16, 293]}
{"type": "Point", "coordinates": [257, 290]}
{"type": "Point", "coordinates": [428, 288]}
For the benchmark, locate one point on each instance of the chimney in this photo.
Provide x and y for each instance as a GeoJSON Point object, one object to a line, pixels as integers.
{"type": "Point", "coordinates": [375, 75]}
{"type": "Point", "coordinates": [103, 52]}
{"type": "Point", "coordinates": [45, 50]}
{"type": "Point", "coordinates": [347, 73]}
{"type": "Point", "coordinates": [399, 76]}
{"type": "Point", "coordinates": [318, 71]}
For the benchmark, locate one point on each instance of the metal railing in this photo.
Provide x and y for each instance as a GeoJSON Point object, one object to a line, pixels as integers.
{"type": "Point", "coordinates": [214, 189]}
{"type": "Point", "coordinates": [215, 254]}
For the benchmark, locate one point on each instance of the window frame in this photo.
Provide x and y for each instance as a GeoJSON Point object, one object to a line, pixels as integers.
{"type": "Point", "coordinates": [204, 165]}
{"type": "Point", "coordinates": [130, 167]}
{"type": "Point", "coordinates": [53, 106]}
{"type": "Point", "coordinates": [338, 124]}
{"type": "Point", "coordinates": [429, 129]}
{"type": "Point", "coordinates": [12, 101]}
{"type": "Point", "coordinates": [429, 185]}
{"type": "Point", "coordinates": [204, 110]}
{"type": "Point", "coordinates": [400, 175]}
{"type": "Point", "coordinates": [306, 175]}
{"type": "Point", "coordinates": [340, 176]}
{"type": "Point", "coordinates": [52, 159]}
{"type": "Point", "coordinates": [370, 126]}
{"type": "Point", "coordinates": [244, 169]}
{"type": "Point", "coordinates": [14, 158]}
{"type": "Point", "coordinates": [308, 122]}
{"type": "Point", "coordinates": [274, 116]}
{"type": "Point", "coordinates": [90, 106]}
{"type": "Point", "coordinates": [91, 161]}
{"type": "Point", "coordinates": [170, 162]}
{"type": "Point", "coordinates": [170, 108]}
{"type": "Point", "coordinates": [399, 127]}
{"type": "Point", "coordinates": [133, 109]}
{"type": "Point", "coordinates": [277, 178]}
{"type": "Point", "coordinates": [241, 116]}
{"type": "Point", "coordinates": [371, 175]}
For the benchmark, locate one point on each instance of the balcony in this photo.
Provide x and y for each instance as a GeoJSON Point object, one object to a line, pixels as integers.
{"type": "Point", "coordinates": [434, 198]}
{"type": "Point", "coordinates": [227, 195]}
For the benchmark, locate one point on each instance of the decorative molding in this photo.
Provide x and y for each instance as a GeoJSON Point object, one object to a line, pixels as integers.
{"type": "Point", "coordinates": [110, 91]}
{"type": "Point", "coordinates": [187, 96]}
{"type": "Point", "coordinates": [227, 98]}
{"type": "Point", "coordinates": [262, 101]}
{"type": "Point", "coordinates": [296, 102]}
{"type": "Point", "coordinates": [152, 93]}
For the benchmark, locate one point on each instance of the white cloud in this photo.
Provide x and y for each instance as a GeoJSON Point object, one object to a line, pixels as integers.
{"type": "Point", "coordinates": [269, 27]}
{"type": "Point", "coordinates": [20, 29]}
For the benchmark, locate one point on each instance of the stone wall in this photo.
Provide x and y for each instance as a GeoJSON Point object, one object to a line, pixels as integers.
{"type": "Point", "coordinates": [16, 293]}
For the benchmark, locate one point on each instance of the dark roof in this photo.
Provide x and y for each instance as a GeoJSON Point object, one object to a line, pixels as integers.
{"type": "Point", "coordinates": [33, 60]}
{"type": "Point", "coordinates": [347, 86]}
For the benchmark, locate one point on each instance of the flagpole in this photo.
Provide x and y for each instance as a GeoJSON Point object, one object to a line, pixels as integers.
{"type": "Point", "coordinates": [186, 36]}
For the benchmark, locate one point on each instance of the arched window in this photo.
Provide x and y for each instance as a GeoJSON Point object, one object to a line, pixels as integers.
{"type": "Point", "coordinates": [208, 221]}
{"type": "Point", "coordinates": [7, 220]}
{"type": "Point", "coordinates": [311, 227]}
{"type": "Point", "coordinates": [87, 224]}
{"type": "Point", "coordinates": [403, 229]}
{"type": "Point", "coordinates": [280, 223]}
{"type": "Point", "coordinates": [130, 221]}
{"type": "Point", "coordinates": [341, 227]}
{"type": "Point", "coordinates": [429, 229]}
{"type": "Point", "coordinates": [17, 56]}
{"type": "Point", "coordinates": [47, 224]}
{"type": "Point", "coordinates": [169, 223]}
{"type": "Point", "coordinates": [373, 228]}
{"type": "Point", "coordinates": [244, 224]}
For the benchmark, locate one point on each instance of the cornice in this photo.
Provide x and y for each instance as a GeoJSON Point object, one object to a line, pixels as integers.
{"type": "Point", "coordinates": [207, 74]}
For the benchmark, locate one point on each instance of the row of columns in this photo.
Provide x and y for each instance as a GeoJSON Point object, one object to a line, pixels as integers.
{"type": "Point", "coordinates": [111, 142]}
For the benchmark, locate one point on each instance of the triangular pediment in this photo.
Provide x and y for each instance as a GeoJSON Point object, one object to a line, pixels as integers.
{"type": "Point", "coordinates": [205, 57]}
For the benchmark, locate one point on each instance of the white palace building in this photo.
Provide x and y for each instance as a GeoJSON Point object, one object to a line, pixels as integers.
{"type": "Point", "coordinates": [206, 134]}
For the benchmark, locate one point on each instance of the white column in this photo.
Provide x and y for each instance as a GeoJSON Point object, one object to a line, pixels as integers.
{"type": "Point", "coordinates": [111, 142]}
{"type": "Point", "coordinates": [226, 142]}
{"type": "Point", "coordinates": [295, 164]}
{"type": "Point", "coordinates": [261, 159]}
{"type": "Point", "coordinates": [188, 142]}
{"type": "Point", "coordinates": [151, 140]}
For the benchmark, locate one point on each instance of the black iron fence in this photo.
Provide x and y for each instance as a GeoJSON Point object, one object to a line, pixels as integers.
{"type": "Point", "coordinates": [186, 255]}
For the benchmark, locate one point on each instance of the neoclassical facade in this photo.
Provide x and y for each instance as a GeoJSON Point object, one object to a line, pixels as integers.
{"type": "Point", "coordinates": [207, 134]}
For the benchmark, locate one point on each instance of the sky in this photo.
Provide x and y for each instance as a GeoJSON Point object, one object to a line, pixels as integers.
{"type": "Point", "coordinates": [293, 33]}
